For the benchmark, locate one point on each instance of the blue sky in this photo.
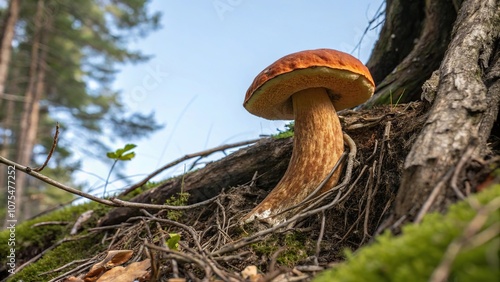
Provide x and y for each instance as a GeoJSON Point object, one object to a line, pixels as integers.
{"type": "Point", "coordinates": [205, 57]}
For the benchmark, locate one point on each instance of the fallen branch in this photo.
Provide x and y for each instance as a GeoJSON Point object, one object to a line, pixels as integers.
{"type": "Point", "coordinates": [186, 157]}
{"type": "Point", "coordinates": [54, 183]}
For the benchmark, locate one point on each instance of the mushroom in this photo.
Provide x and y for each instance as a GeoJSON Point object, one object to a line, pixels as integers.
{"type": "Point", "coordinates": [309, 87]}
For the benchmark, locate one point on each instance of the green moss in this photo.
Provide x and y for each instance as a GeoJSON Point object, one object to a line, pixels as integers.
{"type": "Point", "coordinates": [148, 186]}
{"type": "Point", "coordinates": [180, 199]}
{"type": "Point", "coordinates": [287, 133]}
{"type": "Point", "coordinates": [415, 254]}
{"type": "Point", "coordinates": [61, 255]}
{"type": "Point", "coordinates": [30, 240]}
{"type": "Point", "coordinates": [294, 244]}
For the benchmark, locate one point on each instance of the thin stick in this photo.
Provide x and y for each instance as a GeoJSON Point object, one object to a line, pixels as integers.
{"type": "Point", "coordinates": [255, 237]}
{"type": "Point", "coordinates": [75, 270]}
{"type": "Point", "coordinates": [310, 198]}
{"type": "Point", "coordinates": [441, 273]}
{"type": "Point", "coordinates": [348, 174]}
{"type": "Point", "coordinates": [432, 197]}
{"type": "Point", "coordinates": [184, 158]}
{"type": "Point", "coordinates": [320, 237]}
{"type": "Point", "coordinates": [128, 204]}
{"type": "Point", "coordinates": [79, 262]}
{"type": "Point", "coordinates": [466, 156]}
{"type": "Point", "coordinates": [189, 229]}
{"type": "Point", "coordinates": [54, 183]}
{"type": "Point", "coordinates": [368, 202]}
{"type": "Point", "coordinates": [182, 257]}
{"type": "Point", "coordinates": [54, 144]}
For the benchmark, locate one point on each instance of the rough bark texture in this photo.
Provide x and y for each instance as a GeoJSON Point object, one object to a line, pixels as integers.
{"type": "Point", "coordinates": [465, 107]}
{"type": "Point", "coordinates": [6, 41]}
{"type": "Point", "coordinates": [269, 158]}
{"type": "Point", "coordinates": [404, 58]}
{"type": "Point", "coordinates": [402, 26]}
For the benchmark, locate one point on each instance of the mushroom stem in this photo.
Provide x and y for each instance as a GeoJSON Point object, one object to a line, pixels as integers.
{"type": "Point", "coordinates": [317, 147]}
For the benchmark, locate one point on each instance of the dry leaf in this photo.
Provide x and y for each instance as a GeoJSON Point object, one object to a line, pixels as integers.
{"type": "Point", "coordinates": [135, 270]}
{"type": "Point", "coordinates": [250, 273]}
{"type": "Point", "coordinates": [73, 279]}
{"type": "Point", "coordinates": [176, 280]}
{"type": "Point", "coordinates": [114, 258]}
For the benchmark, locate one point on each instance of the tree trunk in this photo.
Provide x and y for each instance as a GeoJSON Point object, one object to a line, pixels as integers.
{"type": "Point", "coordinates": [30, 115]}
{"type": "Point", "coordinates": [402, 27]}
{"type": "Point", "coordinates": [6, 42]}
{"type": "Point", "coordinates": [410, 47]}
{"type": "Point", "coordinates": [8, 126]}
{"type": "Point", "coordinates": [464, 110]}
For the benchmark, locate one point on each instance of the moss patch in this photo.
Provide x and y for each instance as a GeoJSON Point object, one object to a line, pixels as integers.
{"type": "Point", "coordinates": [180, 199]}
{"type": "Point", "coordinates": [288, 132]}
{"type": "Point", "coordinates": [293, 247]}
{"type": "Point", "coordinates": [31, 240]}
{"type": "Point", "coordinates": [415, 254]}
{"type": "Point", "coordinates": [65, 253]}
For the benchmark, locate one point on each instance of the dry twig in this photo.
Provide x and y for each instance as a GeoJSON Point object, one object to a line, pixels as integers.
{"type": "Point", "coordinates": [184, 158]}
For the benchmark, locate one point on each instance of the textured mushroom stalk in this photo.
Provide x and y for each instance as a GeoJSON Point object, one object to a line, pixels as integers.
{"type": "Point", "coordinates": [318, 144]}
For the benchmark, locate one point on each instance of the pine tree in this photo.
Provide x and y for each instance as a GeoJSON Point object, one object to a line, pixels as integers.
{"type": "Point", "coordinates": [67, 54]}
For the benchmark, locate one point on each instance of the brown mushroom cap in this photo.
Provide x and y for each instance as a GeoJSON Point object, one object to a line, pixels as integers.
{"type": "Point", "coordinates": [346, 79]}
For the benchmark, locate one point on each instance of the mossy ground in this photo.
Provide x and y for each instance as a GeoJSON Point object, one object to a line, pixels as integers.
{"type": "Point", "coordinates": [216, 224]}
{"type": "Point", "coordinates": [288, 249]}
{"type": "Point", "coordinates": [414, 255]}
{"type": "Point", "coordinates": [31, 241]}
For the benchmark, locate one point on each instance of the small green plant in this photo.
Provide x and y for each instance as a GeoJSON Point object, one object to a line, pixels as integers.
{"type": "Point", "coordinates": [122, 154]}
{"type": "Point", "coordinates": [180, 199]}
{"type": "Point", "coordinates": [288, 132]}
{"type": "Point", "coordinates": [295, 248]}
{"type": "Point", "coordinates": [399, 98]}
{"type": "Point", "coordinates": [173, 241]}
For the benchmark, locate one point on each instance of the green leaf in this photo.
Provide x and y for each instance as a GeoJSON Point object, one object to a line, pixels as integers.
{"type": "Point", "coordinates": [127, 157]}
{"type": "Point", "coordinates": [111, 155]}
{"type": "Point", "coordinates": [120, 155]}
{"type": "Point", "coordinates": [129, 147]}
{"type": "Point", "coordinates": [173, 241]}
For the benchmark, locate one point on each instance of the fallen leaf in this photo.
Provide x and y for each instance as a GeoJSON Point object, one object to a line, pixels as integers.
{"type": "Point", "coordinates": [114, 258]}
{"type": "Point", "coordinates": [133, 271]}
{"type": "Point", "coordinates": [250, 273]}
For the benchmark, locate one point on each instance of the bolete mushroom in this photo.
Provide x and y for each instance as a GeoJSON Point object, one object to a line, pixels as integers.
{"type": "Point", "coordinates": [309, 87]}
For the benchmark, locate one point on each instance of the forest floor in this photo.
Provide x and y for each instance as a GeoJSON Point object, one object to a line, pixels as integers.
{"type": "Point", "coordinates": [208, 242]}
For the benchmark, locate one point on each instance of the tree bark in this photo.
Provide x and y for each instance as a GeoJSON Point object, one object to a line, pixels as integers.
{"type": "Point", "coordinates": [402, 26]}
{"type": "Point", "coordinates": [411, 46]}
{"type": "Point", "coordinates": [31, 114]}
{"type": "Point", "coordinates": [464, 109]}
{"type": "Point", "coordinates": [6, 42]}
{"type": "Point", "coordinates": [7, 141]}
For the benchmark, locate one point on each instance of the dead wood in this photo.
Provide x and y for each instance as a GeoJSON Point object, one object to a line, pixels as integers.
{"type": "Point", "coordinates": [268, 158]}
